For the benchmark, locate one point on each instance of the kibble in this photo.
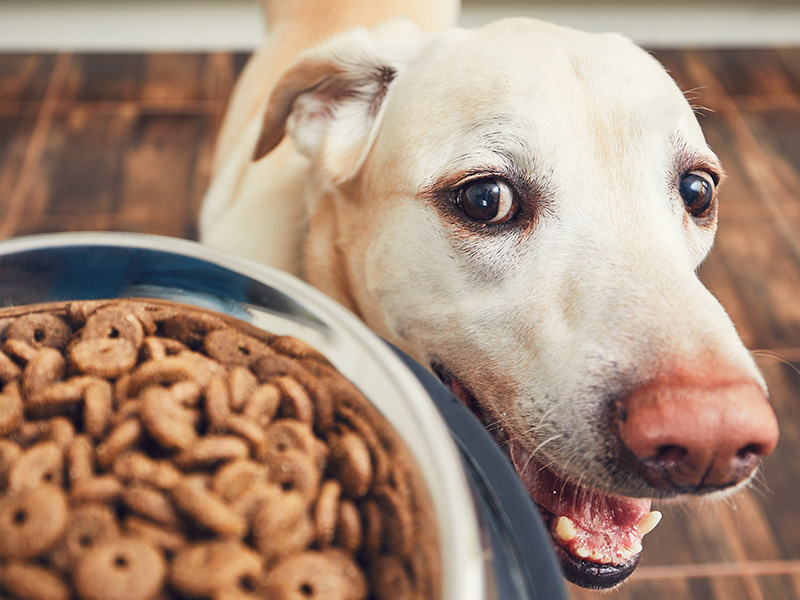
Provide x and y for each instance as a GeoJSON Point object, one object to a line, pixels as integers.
{"type": "Point", "coordinates": [154, 451]}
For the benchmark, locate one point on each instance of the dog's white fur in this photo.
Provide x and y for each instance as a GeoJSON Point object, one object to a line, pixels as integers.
{"type": "Point", "coordinates": [589, 296]}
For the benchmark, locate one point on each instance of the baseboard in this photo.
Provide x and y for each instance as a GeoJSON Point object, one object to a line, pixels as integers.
{"type": "Point", "coordinates": [199, 25]}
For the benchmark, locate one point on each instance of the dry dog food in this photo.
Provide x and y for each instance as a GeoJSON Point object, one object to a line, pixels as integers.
{"type": "Point", "coordinates": [149, 450]}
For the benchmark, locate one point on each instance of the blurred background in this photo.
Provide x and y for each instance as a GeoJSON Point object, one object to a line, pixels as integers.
{"type": "Point", "coordinates": [109, 110]}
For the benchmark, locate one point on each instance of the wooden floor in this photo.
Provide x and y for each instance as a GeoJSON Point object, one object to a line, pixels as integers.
{"type": "Point", "coordinates": [123, 142]}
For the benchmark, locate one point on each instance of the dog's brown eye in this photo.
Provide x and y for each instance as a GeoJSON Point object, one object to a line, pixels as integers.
{"type": "Point", "coordinates": [697, 191]}
{"type": "Point", "coordinates": [488, 201]}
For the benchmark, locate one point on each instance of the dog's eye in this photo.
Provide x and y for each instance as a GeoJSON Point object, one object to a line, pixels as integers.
{"type": "Point", "coordinates": [697, 191]}
{"type": "Point", "coordinates": [487, 200]}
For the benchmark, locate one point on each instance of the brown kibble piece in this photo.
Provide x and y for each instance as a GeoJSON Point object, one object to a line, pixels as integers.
{"type": "Point", "coordinates": [29, 581]}
{"type": "Point", "coordinates": [328, 575]}
{"type": "Point", "coordinates": [234, 348]}
{"type": "Point", "coordinates": [191, 329]}
{"type": "Point", "coordinates": [171, 424]}
{"type": "Point", "coordinates": [151, 503]}
{"type": "Point", "coordinates": [103, 357]}
{"type": "Point", "coordinates": [349, 531]}
{"type": "Point", "coordinates": [211, 450]}
{"type": "Point", "coordinates": [88, 526]}
{"type": "Point", "coordinates": [8, 368]}
{"type": "Point", "coordinates": [41, 463]}
{"type": "Point", "coordinates": [389, 579]}
{"type": "Point", "coordinates": [201, 570]}
{"type": "Point", "coordinates": [31, 519]}
{"type": "Point", "coordinates": [122, 438]}
{"type": "Point", "coordinates": [351, 462]}
{"type": "Point", "coordinates": [326, 512]}
{"type": "Point", "coordinates": [11, 413]}
{"type": "Point", "coordinates": [194, 499]}
{"type": "Point", "coordinates": [114, 323]}
{"type": "Point", "coordinates": [40, 330]}
{"type": "Point", "coordinates": [123, 569]}
{"type": "Point", "coordinates": [44, 368]}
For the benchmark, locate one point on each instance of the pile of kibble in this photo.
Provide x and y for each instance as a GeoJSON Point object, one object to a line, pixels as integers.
{"type": "Point", "coordinates": [150, 450]}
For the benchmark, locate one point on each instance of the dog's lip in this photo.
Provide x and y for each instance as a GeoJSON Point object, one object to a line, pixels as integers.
{"type": "Point", "coordinates": [597, 536]}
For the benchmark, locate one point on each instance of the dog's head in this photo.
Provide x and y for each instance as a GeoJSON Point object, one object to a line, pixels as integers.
{"type": "Point", "coordinates": [523, 208]}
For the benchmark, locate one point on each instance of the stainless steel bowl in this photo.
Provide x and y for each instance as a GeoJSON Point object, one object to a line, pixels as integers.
{"type": "Point", "coordinates": [486, 551]}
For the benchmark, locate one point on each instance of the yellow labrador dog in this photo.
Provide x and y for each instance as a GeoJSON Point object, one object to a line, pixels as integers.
{"type": "Point", "coordinates": [522, 208]}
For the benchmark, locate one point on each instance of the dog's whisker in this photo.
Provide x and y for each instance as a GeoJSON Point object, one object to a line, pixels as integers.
{"type": "Point", "coordinates": [777, 357]}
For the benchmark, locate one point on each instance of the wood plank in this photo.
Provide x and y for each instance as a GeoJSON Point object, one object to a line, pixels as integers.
{"type": "Point", "coordinates": [23, 78]}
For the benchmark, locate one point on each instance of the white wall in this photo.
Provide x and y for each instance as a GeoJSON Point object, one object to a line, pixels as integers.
{"type": "Point", "coordinates": [236, 24]}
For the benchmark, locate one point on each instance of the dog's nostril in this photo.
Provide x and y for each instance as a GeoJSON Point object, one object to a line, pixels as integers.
{"type": "Point", "coordinates": [671, 454]}
{"type": "Point", "coordinates": [749, 451]}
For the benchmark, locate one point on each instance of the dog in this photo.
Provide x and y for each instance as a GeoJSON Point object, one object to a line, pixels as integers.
{"type": "Point", "coordinates": [522, 208]}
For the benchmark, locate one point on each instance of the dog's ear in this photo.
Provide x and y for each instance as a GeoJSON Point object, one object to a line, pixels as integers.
{"type": "Point", "coordinates": [330, 100]}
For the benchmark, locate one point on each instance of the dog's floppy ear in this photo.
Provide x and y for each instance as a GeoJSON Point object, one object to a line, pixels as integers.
{"type": "Point", "coordinates": [329, 101]}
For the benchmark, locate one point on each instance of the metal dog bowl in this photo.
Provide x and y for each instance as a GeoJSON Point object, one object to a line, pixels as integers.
{"type": "Point", "coordinates": [492, 541]}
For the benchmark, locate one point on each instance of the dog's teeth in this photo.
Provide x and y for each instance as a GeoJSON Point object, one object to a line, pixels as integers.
{"type": "Point", "coordinates": [649, 522]}
{"type": "Point", "coordinates": [582, 552]}
{"type": "Point", "coordinates": [596, 556]}
{"type": "Point", "coordinates": [565, 529]}
{"type": "Point", "coordinates": [637, 548]}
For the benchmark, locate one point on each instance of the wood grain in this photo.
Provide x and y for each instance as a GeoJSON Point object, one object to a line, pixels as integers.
{"type": "Point", "coordinates": [123, 142]}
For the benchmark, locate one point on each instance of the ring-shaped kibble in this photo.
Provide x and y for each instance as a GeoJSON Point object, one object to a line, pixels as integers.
{"type": "Point", "coordinates": [97, 408]}
{"type": "Point", "coordinates": [114, 323]}
{"type": "Point", "coordinates": [211, 450]}
{"type": "Point", "coordinates": [262, 405]}
{"type": "Point", "coordinates": [46, 367]}
{"type": "Point", "coordinates": [163, 373]}
{"type": "Point", "coordinates": [295, 472]}
{"type": "Point", "coordinates": [9, 370]}
{"type": "Point", "coordinates": [191, 329]}
{"type": "Point", "coordinates": [390, 580]}
{"type": "Point", "coordinates": [349, 531]}
{"type": "Point", "coordinates": [296, 403]}
{"type": "Point", "coordinates": [328, 575]}
{"type": "Point", "coordinates": [296, 348]}
{"type": "Point", "coordinates": [233, 348]}
{"type": "Point", "coordinates": [138, 467]}
{"type": "Point", "coordinates": [321, 400]}
{"type": "Point", "coordinates": [123, 436]}
{"type": "Point", "coordinates": [351, 462]}
{"type": "Point", "coordinates": [326, 512]}
{"type": "Point", "coordinates": [122, 569]}
{"type": "Point", "coordinates": [217, 403]}
{"type": "Point", "coordinates": [271, 366]}
{"type": "Point", "coordinates": [30, 581]}
{"type": "Point", "coordinates": [166, 538]}
{"type": "Point", "coordinates": [103, 357]}
{"type": "Point", "coordinates": [79, 456]}
{"type": "Point", "coordinates": [41, 463]}
{"type": "Point", "coordinates": [167, 421]}
{"type": "Point", "coordinates": [201, 570]}
{"type": "Point", "coordinates": [281, 525]}
{"type": "Point", "coordinates": [31, 519]}
{"type": "Point", "coordinates": [105, 488]}
{"type": "Point", "coordinates": [11, 410]}
{"type": "Point", "coordinates": [40, 330]}
{"type": "Point", "coordinates": [88, 526]}
{"type": "Point", "coordinates": [151, 503]}
{"type": "Point", "coordinates": [242, 383]}
{"type": "Point", "coordinates": [206, 508]}
{"type": "Point", "coordinates": [235, 478]}
{"type": "Point", "coordinates": [251, 432]}
{"type": "Point", "coordinates": [290, 434]}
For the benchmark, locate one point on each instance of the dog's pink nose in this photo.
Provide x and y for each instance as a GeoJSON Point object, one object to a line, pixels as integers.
{"type": "Point", "coordinates": [697, 435]}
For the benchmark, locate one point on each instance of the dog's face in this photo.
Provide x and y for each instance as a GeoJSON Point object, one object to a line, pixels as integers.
{"type": "Point", "coordinates": [523, 208]}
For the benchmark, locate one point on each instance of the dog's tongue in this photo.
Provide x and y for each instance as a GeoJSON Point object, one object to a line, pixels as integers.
{"type": "Point", "coordinates": [587, 524]}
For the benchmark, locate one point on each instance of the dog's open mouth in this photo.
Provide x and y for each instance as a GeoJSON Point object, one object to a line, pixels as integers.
{"type": "Point", "coordinates": [597, 536]}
